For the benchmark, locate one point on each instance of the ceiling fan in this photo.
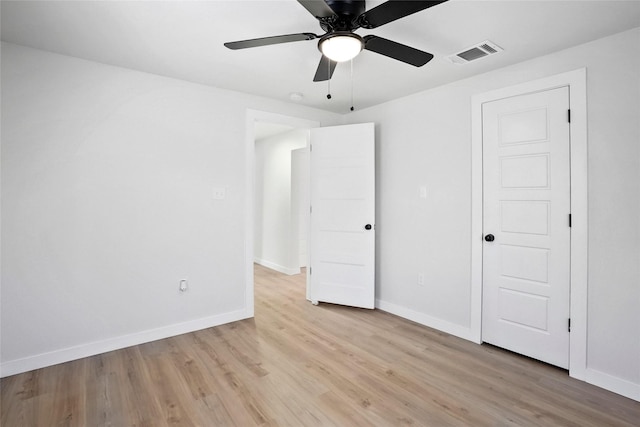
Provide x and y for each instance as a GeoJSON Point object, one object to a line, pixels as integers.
{"type": "Point", "coordinates": [339, 19]}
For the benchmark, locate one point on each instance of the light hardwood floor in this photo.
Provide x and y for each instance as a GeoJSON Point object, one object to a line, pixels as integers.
{"type": "Point", "coordinates": [296, 364]}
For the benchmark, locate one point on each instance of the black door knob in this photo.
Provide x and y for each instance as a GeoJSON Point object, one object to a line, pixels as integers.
{"type": "Point", "coordinates": [367, 227]}
{"type": "Point", "coordinates": [489, 238]}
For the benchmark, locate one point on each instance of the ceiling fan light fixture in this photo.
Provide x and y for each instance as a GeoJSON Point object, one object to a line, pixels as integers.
{"type": "Point", "coordinates": [340, 47]}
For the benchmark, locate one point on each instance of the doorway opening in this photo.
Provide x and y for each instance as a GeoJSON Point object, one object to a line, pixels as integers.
{"type": "Point", "coordinates": [281, 202]}
{"type": "Point", "coordinates": [277, 183]}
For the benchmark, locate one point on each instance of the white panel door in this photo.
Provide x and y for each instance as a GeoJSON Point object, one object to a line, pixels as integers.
{"type": "Point", "coordinates": [342, 223]}
{"type": "Point", "coordinates": [526, 254]}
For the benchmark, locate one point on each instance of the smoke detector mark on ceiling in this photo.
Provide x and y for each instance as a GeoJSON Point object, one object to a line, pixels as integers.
{"type": "Point", "coordinates": [480, 50]}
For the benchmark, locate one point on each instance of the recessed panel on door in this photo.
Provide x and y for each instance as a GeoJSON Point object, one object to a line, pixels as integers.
{"type": "Point", "coordinates": [525, 171]}
{"type": "Point", "coordinates": [525, 263]}
{"type": "Point", "coordinates": [337, 183]}
{"type": "Point", "coordinates": [332, 218]}
{"type": "Point", "coordinates": [523, 309]}
{"type": "Point", "coordinates": [523, 127]}
{"type": "Point", "coordinates": [524, 216]}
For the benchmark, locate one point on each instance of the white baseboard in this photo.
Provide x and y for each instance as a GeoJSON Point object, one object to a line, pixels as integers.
{"type": "Point", "coordinates": [423, 319]}
{"type": "Point", "coordinates": [277, 267]}
{"type": "Point", "coordinates": [613, 384]}
{"type": "Point", "coordinates": [30, 363]}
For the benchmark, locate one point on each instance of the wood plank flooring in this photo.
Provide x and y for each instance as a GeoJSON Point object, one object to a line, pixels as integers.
{"type": "Point", "coordinates": [296, 364]}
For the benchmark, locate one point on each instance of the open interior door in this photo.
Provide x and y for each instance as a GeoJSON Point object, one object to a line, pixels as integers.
{"type": "Point", "coordinates": [342, 222]}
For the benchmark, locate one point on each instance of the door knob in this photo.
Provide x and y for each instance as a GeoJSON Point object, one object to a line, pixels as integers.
{"type": "Point", "coordinates": [489, 238]}
{"type": "Point", "coordinates": [367, 227]}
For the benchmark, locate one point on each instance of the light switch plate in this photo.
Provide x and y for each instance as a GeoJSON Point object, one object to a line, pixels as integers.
{"type": "Point", "coordinates": [423, 192]}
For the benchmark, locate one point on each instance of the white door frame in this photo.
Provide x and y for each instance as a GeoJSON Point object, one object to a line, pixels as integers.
{"type": "Point", "coordinates": [254, 116]}
{"type": "Point", "coordinates": [577, 83]}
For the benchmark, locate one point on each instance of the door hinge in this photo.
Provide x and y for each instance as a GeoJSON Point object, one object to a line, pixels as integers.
{"type": "Point", "coordinates": [310, 209]}
{"type": "Point", "coordinates": [569, 220]}
{"type": "Point", "coordinates": [310, 147]}
{"type": "Point", "coordinates": [310, 271]}
{"type": "Point", "coordinates": [569, 116]}
{"type": "Point", "coordinates": [569, 325]}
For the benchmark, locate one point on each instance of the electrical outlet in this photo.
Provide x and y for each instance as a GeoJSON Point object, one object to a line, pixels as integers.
{"type": "Point", "coordinates": [219, 193]}
{"type": "Point", "coordinates": [184, 285]}
{"type": "Point", "coordinates": [420, 279]}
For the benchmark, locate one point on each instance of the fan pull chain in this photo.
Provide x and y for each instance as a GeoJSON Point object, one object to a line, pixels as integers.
{"type": "Point", "coordinates": [329, 79]}
{"type": "Point", "coordinates": [351, 85]}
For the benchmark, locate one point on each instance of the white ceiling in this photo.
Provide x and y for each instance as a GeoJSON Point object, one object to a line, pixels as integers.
{"type": "Point", "coordinates": [184, 39]}
{"type": "Point", "coordinates": [263, 130]}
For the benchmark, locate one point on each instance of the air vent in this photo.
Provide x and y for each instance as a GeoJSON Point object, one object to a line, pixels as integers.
{"type": "Point", "coordinates": [473, 53]}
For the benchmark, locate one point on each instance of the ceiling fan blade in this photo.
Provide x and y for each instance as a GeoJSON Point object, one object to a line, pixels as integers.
{"type": "Point", "coordinates": [397, 51]}
{"type": "Point", "coordinates": [392, 10]}
{"type": "Point", "coordinates": [317, 8]}
{"type": "Point", "coordinates": [265, 41]}
{"type": "Point", "coordinates": [325, 69]}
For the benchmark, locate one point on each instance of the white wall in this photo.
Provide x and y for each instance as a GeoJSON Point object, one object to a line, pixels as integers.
{"type": "Point", "coordinates": [107, 179]}
{"type": "Point", "coordinates": [276, 228]}
{"type": "Point", "coordinates": [425, 139]}
{"type": "Point", "coordinates": [300, 202]}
